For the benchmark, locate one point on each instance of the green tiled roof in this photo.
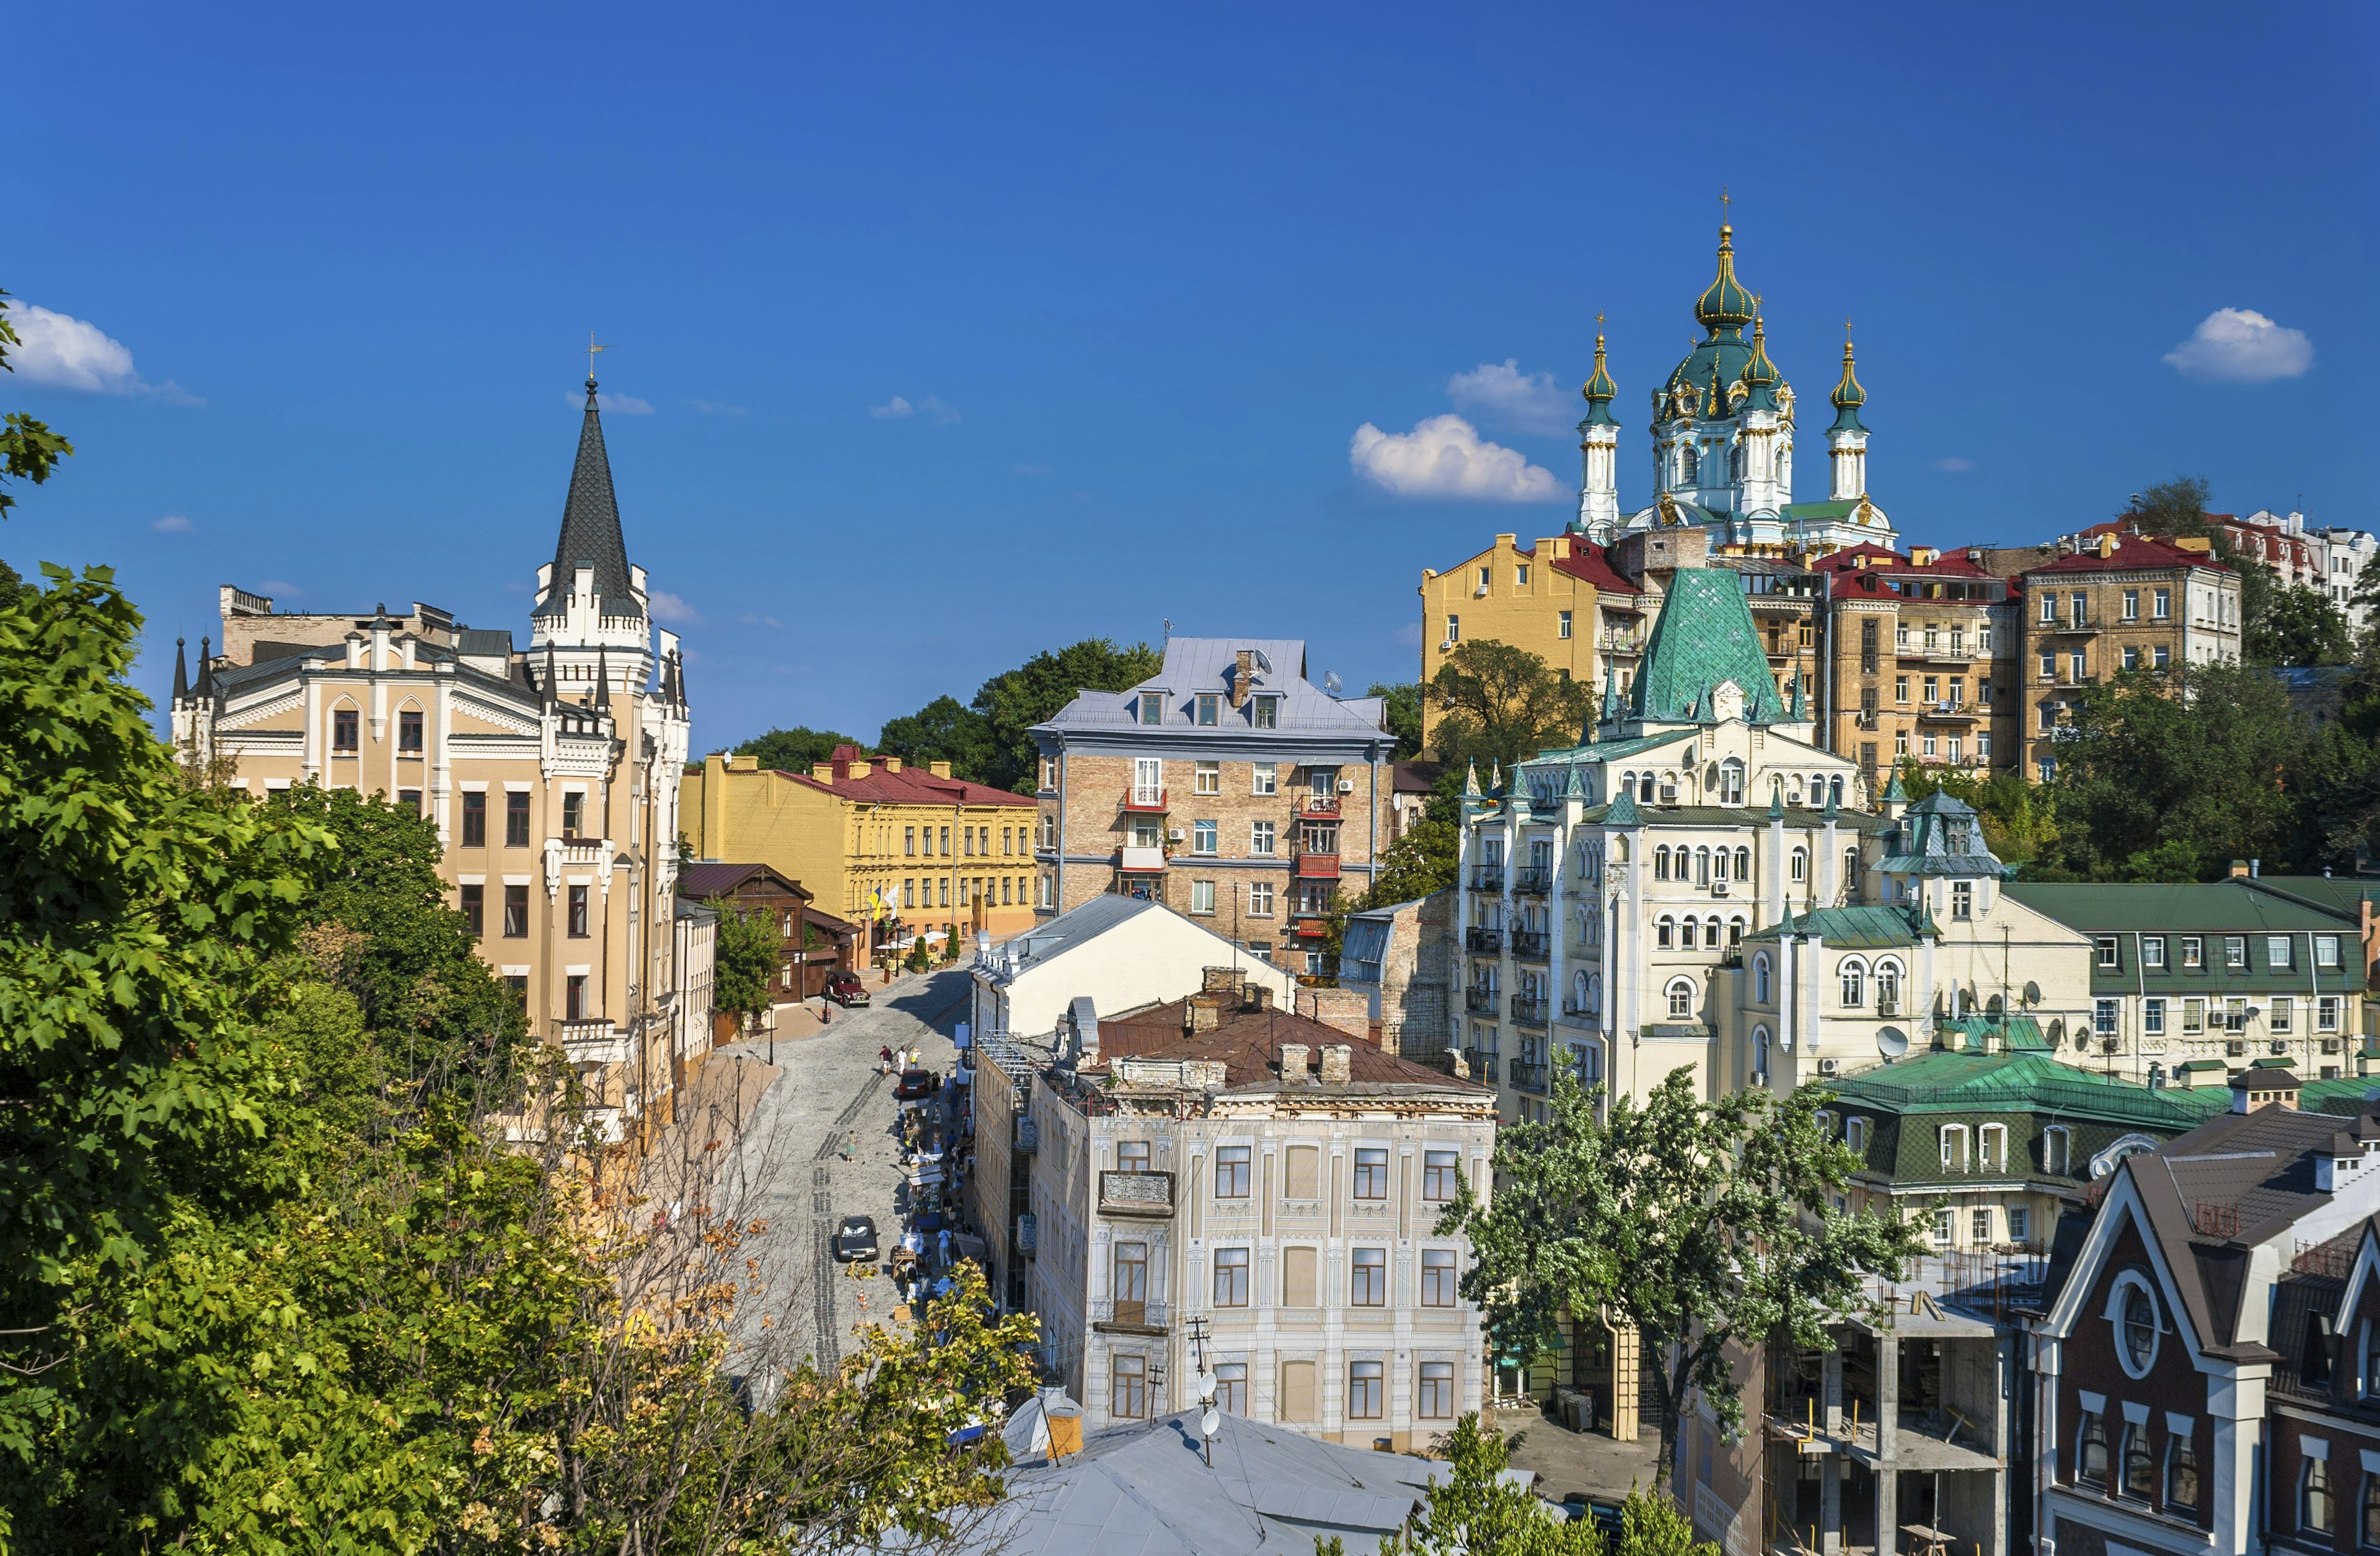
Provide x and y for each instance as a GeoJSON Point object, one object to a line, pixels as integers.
{"type": "Point", "coordinates": [1965, 1034]}
{"type": "Point", "coordinates": [1940, 835]}
{"type": "Point", "coordinates": [1860, 929]}
{"type": "Point", "coordinates": [2210, 911]}
{"type": "Point", "coordinates": [1820, 510]}
{"type": "Point", "coordinates": [1939, 1081]}
{"type": "Point", "coordinates": [2215, 906]}
{"type": "Point", "coordinates": [1703, 637]}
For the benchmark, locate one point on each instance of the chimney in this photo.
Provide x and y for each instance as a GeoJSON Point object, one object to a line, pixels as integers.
{"type": "Point", "coordinates": [1259, 997]}
{"type": "Point", "coordinates": [1334, 1063]}
{"type": "Point", "coordinates": [2107, 546]}
{"type": "Point", "coordinates": [939, 769]}
{"type": "Point", "coordinates": [1218, 980]}
{"type": "Point", "coordinates": [1203, 1013]}
{"type": "Point", "coordinates": [1292, 1065]}
{"type": "Point", "coordinates": [1341, 1010]}
{"type": "Point", "coordinates": [891, 764]}
{"type": "Point", "coordinates": [1242, 672]}
{"type": "Point", "coordinates": [2239, 869]}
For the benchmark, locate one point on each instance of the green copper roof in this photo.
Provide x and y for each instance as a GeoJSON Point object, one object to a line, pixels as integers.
{"type": "Point", "coordinates": [1724, 305]}
{"type": "Point", "coordinates": [1848, 398]}
{"type": "Point", "coordinates": [1943, 1082]}
{"type": "Point", "coordinates": [1703, 638]}
{"type": "Point", "coordinates": [1821, 510]}
{"type": "Point", "coordinates": [1622, 812]}
{"type": "Point", "coordinates": [1849, 928]}
{"type": "Point", "coordinates": [1760, 378]}
{"type": "Point", "coordinates": [1967, 1034]}
{"type": "Point", "coordinates": [1599, 391]}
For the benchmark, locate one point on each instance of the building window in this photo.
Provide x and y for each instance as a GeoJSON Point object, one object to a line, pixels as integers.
{"type": "Point", "coordinates": [1232, 1172]}
{"type": "Point", "coordinates": [1952, 1139]}
{"type": "Point", "coordinates": [2153, 1017]}
{"type": "Point", "coordinates": [574, 814]}
{"type": "Point", "coordinates": [2368, 1535]}
{"type": "Point", "coordinates": [516, 819]}
{"type": "Point", "coordinates": [2182, 1470]}
{"type": "Point", "coordinates": [2325, 951]}
{"type": "Point", "coordinates": [1128, 1387]}
{"type": "Point", "coordinates": [1203, 836]}
{"type": "Point", "coordinates": [2136, 1327]}
{"type": "Point", "coordinates": [1265, 778]}
{"type": "Point", "coordinates": [2313, 1496]}
{"type": "Point", "coordinates": [2140, 1467]}
{"type": "Point", "coordinates": [1855, 1133]}
{"type": "Point", "coordinates": [1048, 772]}
{"type": "Point", "coordinates": [1563, 628]}
{"type": "Point", "coordinates": [2131, 604]}
{"type": "Point", "coordinates": [574, 997]}
{"type": "Point", "coordinates": [515, 913]}
{"type": "Point", "coordinates": [409, 730]}
{"type": "Point", "coordinates": [2235, 952]}
{"type": "Point", "coordinates": [1438, 1391]}
{"type": "Point", "coordinates": [2105, 945]}
{"type": "Point", "coordinates": [1230, 1277]}
{"type": "Point", "coordinates": [1454, 630]}
{"type": "Point", "coordinates": [1438, 1278]}
{"type": "Point", "coordinates": [2194, 953]}
{"type": "Point", "coordinates": [1266, 712]}
{"type": "Point", "coordinates": [1202, 897]}
{"type": "Point", "coordinates": [1441, 1175]}
{"type": "Point", "coordinates": [2163, 605]}
{"type": "Point", "coordinates": [1943, 1232]}
{"type": "Point", "coordinates": [2091, 1450]}
{"type": "Point", "coordinates": [579, 912]}
{"type": "Point", "coordinates": [1364, 1390]}
{"type": "Point", "coordinates": [1049, 886]}
{"type": "Point", "coordinates": [2326, 1013]}
{"type": "Point", "coordinates": [344, 735]}
{"type": "Point", "coordinates": [1209, 710]}
{"type": "Point", "coordinates": [2284, 1016]}
{"type": "Point", "coordinates": [1295, 1399]}
{"type": "Point", "coordinates": [1979, 1226]}
{"type": "Point", "coordinates": [475, 909]}
{"type": "Point", "coordinates": [1900, 688]}
{"type": "Point", "coordinates": [1260, 899]}
{"type": "Point", "coordinates": [1855, 982]}
{"type": "Point", "coordinates": [2278, 952]}
{"type": "Point", "coordinates": [1152, 708]}
{"type": "Point", "coordinates": [2103, 1018]}
{"type": "Point", "coordinates": [1682, 1000]}
{"type": "Point", "coordinates": [1371, 1174]}
{"type": "Point", "coordinates": [1368, 1277]}
{"type": "Point", "coordinates": [1208, 779]}
{"type": "Point", "coordinates": [2163, 656]}
{"type": "Point", "coordinates": [1962, 899]}
{"type": "Point", "coordinates": [1260, 839]}
{"type": "Point", "coordinates": [474, 819]}
{"type": "Point", "coordinates": [2020, 1223]}
{"type": "Point", "coordinates": [2152, 953]}
{"type": "Point", "coordinates": [1232, 1387]}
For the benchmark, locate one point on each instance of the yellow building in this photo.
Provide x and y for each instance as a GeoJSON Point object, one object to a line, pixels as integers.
{"type": "Point", "coordinates": [879, 843]}
{"type": "Point", "coordinates": [1562, 599]}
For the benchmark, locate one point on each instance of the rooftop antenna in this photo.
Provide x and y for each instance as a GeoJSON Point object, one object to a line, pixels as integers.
{"type": "Point", "coordinates": [1168, 629]}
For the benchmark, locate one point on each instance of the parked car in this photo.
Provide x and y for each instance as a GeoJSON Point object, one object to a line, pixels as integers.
{"type": "Point", "coordinates": [855, 1241]}
{"type": "Point", "coordinates": [915, 1084]}
{"type": "Point", "coordinates": [844, 989]}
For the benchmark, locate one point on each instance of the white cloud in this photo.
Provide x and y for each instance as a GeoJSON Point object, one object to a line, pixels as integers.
{"type": "Point", "coordinates": [275, 589]}
{"type": "Point", "coordinates": [2241, 345]}
{"type": "Point", "coordinates": [171, 524]}
{"type": "Point", "coordinates": [1954, 464]}
{"type": "Point", "coordinates": [929, 407]}
{"type": "Point", "coordinates": [751, 618]}
{"type": "Point", "coordinates": [68, 353]}
{"type": "Point", "coordinates": [712, 408]}
{"type": "Point", "coordinates": [1445, 457]}
{"type": "Point", "coordinates": [666, 606]}
{"type": "Point", "coordinates": [1409, 635]}
{"type": "Point", "coordinates": [1501, 392]}
{"type": "Point", "coordinates": [618, 404]}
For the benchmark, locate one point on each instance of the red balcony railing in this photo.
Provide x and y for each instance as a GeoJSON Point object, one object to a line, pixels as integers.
{"type": "Point", "coordinates": [1136, 798]}
{"type": "Point", "coordinates": [1318, 867]}
{"type": "Point", "coordinates": [1319, 805]}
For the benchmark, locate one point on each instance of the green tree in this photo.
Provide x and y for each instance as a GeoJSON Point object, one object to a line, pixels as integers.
{"type": "Point", "coordinates": [2174, 507]}
{"type": "Point", "coordinates": [2170, 777]}
{"type": "Point", "coordinates": [29, 450]}
{"type": "Point", "coordinates": [2018, 820]}
{"type": "Point", "coordinates": [943, 730]}
{"type": "Point", "coordinates": [1708, 1225]}
{"type": "Point", "coordinates": [796, 749]}
{"type": "Point", "coordinates": [1013, 702]}
{"type": "Point", "coordinates": [1497, 704]}
{"type": "Point", "coordinates": [1651, 1524]}
{"type": "Point", "coordinates": [1477, 1512]}
{"type": "Point", "coordinates": [745, 960]}
{"type": "Point", "coordinates": [2297, 627]}
{"type": "Point", "coordinates": [1402, 703]}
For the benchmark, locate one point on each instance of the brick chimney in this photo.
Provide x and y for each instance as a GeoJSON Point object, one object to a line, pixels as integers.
{"type": "Point", "coordinates": [1218, 980]}
{"type": "Point", "coordinates": [1259, 997]}
{"type": "Point", "coordinates": [1341, 1010]}
{"type": "Point", "coordinates": [1244, 672]}
{"type": "Point", "coordinates": [1292, 1065]}
{"type": "Point", "coordinates": [1202, 1013]}
{"type": "Point", "coordinates": [1334, 1063]}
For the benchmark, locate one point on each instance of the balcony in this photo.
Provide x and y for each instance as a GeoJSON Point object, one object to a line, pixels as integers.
{"type": "Point", "coordinates": [1319, 807]}
{"type": "Point", "coordinates": [1141, 861]}
{"type": "Point", "coordinates": [1480, 1001]}
{"type": "Point", "coordinates": [1137, 1194]}
{"type": "Point", "coordinates": [1532, 945]}
{"type": "Point", "coordinates": [1935, 653]}
{"type": "Point", "coordinates": [2070, 627]}
{"type": "Point", "coordinates": [1585, 1016]}
{"type": "Point", "coordinates": [1309, 926]}
{"type": "Point", "coordinates": [1312, 866]}
{"type": "Point", "coordinates": [1481, 1064]}
{"type": "Point", "coordinates": [1529, 1076]}
{"type": "Point", "coordinates": [1116, 1315]}
{"type": "Point", "coordinates": [1533, 880]}
{"type": "Point", "coordinates": [1529, 1010]}
{"type": "Point", "coordinates": [1489, 878]}
{"type": "Point", "coordinates": [1480, 941]}
{"type": "Point", "coordinates": [1947, 713]}
{"type": "Point", "coordinates": [1138, 797]}
{"type": "Point", "coordinates": [594, 1042]}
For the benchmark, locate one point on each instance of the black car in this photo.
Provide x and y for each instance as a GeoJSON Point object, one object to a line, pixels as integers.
{"type": "Point", "coordinates": [855, 1241]}
{"type": "Point", "coordinates": [915, 1084]}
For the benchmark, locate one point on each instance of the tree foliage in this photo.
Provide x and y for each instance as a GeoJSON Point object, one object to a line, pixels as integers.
{"type": "Point", "coordinates": [29, 450]}
{"type": "Point", "coordinates": [943, 730]}
{"type": "Point", "coordinates": [1497, 704]}
{"type": "Point", "coordinates": [1014, 700]}
{"type": "Point", "coordinates": [2019, 821]}
{"type": "Point", "coordinates": [1402, 706]}
{"type": "Point", "coordinates": [2297, 627]}
{"type": "Point", "coordinates": [793, 750]}
{"type": "Point", "coordinates": [745, 960]}
{"type": "Point", "coordinates": [1708, 1225]}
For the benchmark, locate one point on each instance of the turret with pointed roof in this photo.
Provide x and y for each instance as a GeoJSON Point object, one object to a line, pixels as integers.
{"type": "Point", "coordinates": [590, 529]}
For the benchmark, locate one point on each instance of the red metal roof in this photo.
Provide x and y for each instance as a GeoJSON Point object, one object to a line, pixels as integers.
{"type": "Point", "coordinates": [1588, 564]}
{"type": "Point", "coordinates": [911, 786]}
{"type": "Point", "coordinates": [2131, 551]}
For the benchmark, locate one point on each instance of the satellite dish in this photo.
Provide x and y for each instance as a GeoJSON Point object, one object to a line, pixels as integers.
{"type": "Point", "coordinates": [1211, 1423]}
{"type": "Point", "coordinates": [1891, 1041]}
{"type": "Point", "coordinates": [1205, 1385]}
{"type": "Point", "coordinates": [1331, 682]}
{"type": "Point", "coordinates": [2033, 994]}
{"type": "Point", "coordinates": [1264, 661]}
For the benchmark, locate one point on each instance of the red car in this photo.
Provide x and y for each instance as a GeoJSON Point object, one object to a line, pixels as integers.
{"type": "Point", "coordinates": [915, 1084]}
{"type": "Point", "coordinates": [844, 989]}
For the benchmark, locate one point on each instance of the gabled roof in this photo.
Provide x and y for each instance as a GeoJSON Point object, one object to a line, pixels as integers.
{"type": "Point", "coordinates": [1943, 1081]}
{"type": "Point", "coordinates": [1940, 835]}
{"type": "Point", "coordinates": [1249, 1042]}
{"type": "Point", "coordinates": [1589, 563]}
{"type": "Point", "coordinates": [1703, 637]}
{"type": "Point", "coordinates": [590, 527]}
{"type": "Point", "coordinates": [1194, 665]}
{"type": "Point", "coordinates": [715, 880]}
{"type": "Point", "coordinates": [2233, 906]}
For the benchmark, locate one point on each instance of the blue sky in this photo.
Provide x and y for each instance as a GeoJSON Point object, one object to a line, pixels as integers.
{"type": "Point", "coordinates": [1139, 277]}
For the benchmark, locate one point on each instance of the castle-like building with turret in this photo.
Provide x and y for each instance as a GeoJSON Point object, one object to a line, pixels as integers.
{"type": "Point", "coordinates": [551, 770]}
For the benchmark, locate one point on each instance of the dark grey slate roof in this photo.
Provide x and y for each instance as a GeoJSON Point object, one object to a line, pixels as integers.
{"type": "Point", "coordinates": [590, 527]}
{"type": "Point", "coordinates": [484, 642]}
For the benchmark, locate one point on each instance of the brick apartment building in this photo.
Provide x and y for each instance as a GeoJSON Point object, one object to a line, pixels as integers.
{"type": "Point", "coordinates": [1227, 786]}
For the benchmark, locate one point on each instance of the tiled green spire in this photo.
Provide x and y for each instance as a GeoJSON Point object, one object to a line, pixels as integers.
{"type": "Point", "coordinates": [1703, 638]}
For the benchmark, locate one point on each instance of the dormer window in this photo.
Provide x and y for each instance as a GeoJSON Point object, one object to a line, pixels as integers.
{"type": "Point", "coordinates": [1265, 712]}
{"type": "Point", "coordinates": [1209, 709]}
{"type": "Point", "coordinates": [1152, 707]}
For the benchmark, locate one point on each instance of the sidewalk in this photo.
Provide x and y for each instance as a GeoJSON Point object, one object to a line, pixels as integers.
{"type": "Point", "coordinates": [1589, 1462]}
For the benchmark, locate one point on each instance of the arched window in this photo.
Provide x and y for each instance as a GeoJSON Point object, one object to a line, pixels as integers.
{"type": "Point", "coordinates": [1710, 931]}
{"type": "Point", "coordinates": [1744, 863]}
{"type": "Point", "coordinates": [1665, 932]}
{"type": "Point", "coordinates": [1953, 1138]}
{"type": "Point", "coordinates": [1628, 783]}
{"type": "Point", "coordinates": [1594, 994]}
{"type": "Point", "coordinates": [1851, 870]}
{"type": "Point", "coordinates": [1620, 849]}
{"type": "Point", "coordinates": [1992, 1143]}
{"type": "Point", "coordinates": [1854, 977]}
{"type": "Point", "coordinates": [1688, 927]}
{"type": "Point", "coordinates": [1690, 464]}
{"type": "Point", "coordinates": [1644, 789]}
{"type": "Point", "coordinates": [1760, 1051]}
{"type": "Point", "coordinates": [1718, 866]}
{"type": "Point", "coordinates": [1801, 868]}
{"type": "Point", "coordinates": [1734, 932]}
{"type": "Point", "coordinates": [1702, 867]}
{"type": "Point", "coordinates": [1888, 986]}
{"type": "Point", "coordinates": [1835, 789]}
{"type": "Point", "coordinates": [1578, 993]}
{"type": "Point", "coordinates": [1661, 862]}
{"type": "Point", "coordinates": [1682, 999]}
{"type": "Point", "coordinates": [1730, 782]}
{"type": "Point", "coordinates": [1760, 977]}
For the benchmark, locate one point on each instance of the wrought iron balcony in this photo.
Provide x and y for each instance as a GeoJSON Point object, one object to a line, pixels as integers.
{"type": "Point", "coordinates": [1529, 1075]}
{"type": "Point", "coordinates": [1488, 878]}
{"type": "Point", "coordinates": [1481, 1064]}
{"type": "Point", "coordinates": [1483, 941]}
{"type": "Point", "coordinates": [1532, 945]}
{"type": "Point", "coordinates": [1480, 1001]}
{"type": "Point", "coordinates": [1529, 1010]}
{"type": "Point", "coordinates": [1533, 880]}
{"type": "Point", "coordinates": [1137, 1194]}
{"type": "Point", "coordinates": [1114, 1315]}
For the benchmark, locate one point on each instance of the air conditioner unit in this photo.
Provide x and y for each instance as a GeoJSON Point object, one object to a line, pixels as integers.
{"type": "Point", "coordinates": [1175, 834]}
{"type": "Point", "coordinates": [1346, 785]}
{"type": "Point", "coordinates": [1718, 888]}
{"type": "Point", "coordinates": [1758, 1078]}
{"type": "Point", "coordinates": [1828, 1067]}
